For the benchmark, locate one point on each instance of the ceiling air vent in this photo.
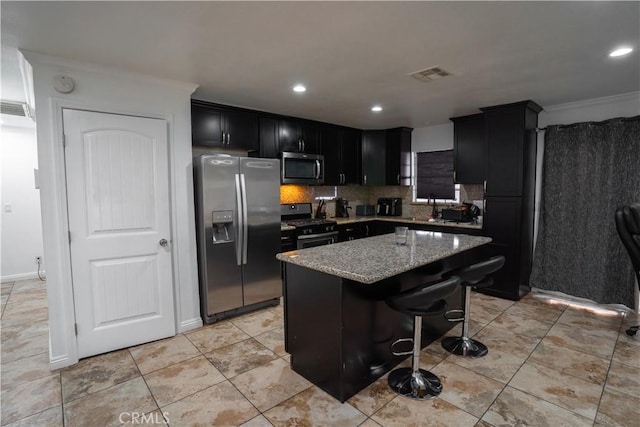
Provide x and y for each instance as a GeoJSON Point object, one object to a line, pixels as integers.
{"type": "Point", "coordinates": [430, 74]}
{"type": "Point", "coordinates": [15, 109]}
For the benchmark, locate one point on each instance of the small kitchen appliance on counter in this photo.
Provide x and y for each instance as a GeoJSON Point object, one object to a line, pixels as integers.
{"type": "Point", "coordinates": [309, 231]}
{"type": "Point", "coordinates": [365, 210]}
{"type": "Point", "coordinates": [342, 208]}
{"type": "Point", "coordinates": [389, 206]}
{"type": "Point", "coordinates": [466, 212]}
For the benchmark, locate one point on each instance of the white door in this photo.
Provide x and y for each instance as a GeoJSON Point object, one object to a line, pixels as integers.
{"type": "Point", "coordinates": [118, 202]}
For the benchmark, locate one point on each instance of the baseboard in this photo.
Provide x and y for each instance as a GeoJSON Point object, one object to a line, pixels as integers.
{"type": "Point", "coordinates": [22, 276]}
{"type": "Point", "coordinates": [61, 362]}
{"type": "Point", "coordinates": [190, 324]}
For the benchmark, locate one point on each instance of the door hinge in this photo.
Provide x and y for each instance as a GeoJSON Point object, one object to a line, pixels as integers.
{"type": "Point", "coordinates": [75, 328]}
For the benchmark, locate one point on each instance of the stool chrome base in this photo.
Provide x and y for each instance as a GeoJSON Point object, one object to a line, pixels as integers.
{"type": "Point", "coordinates": [463, 346]}
{"type": "Point", "coordinates": [420, 385]}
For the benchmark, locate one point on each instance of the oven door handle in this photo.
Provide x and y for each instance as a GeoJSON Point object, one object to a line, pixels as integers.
{"type": "Point", "coordinates": [316, 236]}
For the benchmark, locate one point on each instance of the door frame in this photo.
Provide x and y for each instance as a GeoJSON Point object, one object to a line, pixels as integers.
{"type": "Point", "coordinates": [60, 231]}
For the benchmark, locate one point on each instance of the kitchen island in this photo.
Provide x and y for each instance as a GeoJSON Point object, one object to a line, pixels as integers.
{"type": "Point", "coordinates": [338, 328]}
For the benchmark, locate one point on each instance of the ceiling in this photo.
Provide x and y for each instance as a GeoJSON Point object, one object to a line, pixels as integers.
{"type": "Point", "coordinates": [350, 55]}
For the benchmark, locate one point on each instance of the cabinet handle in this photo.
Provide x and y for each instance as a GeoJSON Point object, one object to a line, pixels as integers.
{"type": "Point", "coordinates": [485, 186]}
{"type": "Point", "coordinates": [365, 179]}
{"type": "Point", "coordinates": [228, 138]}
{"type": "Point", "coordinates": [366, 227]}
{"type": "Point", "coordinates": [344, 178]}
{"type": "Point", "coordinates": [484, 207]}
{"type": "Point", "coordinates": [303, 149]}
{"type": "Point", "coordinates": [398, 179]}
{"type": "Point", "coordinates": [454, 176]}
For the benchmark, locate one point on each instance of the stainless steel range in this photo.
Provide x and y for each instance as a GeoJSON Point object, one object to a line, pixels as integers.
{"type": "Point", "coordinates": [309, 231]}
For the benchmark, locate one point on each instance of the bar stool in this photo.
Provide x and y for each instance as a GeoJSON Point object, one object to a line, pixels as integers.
{"type": "Point", "coordinates": [426, 300]}
{"type": "Point", "coordinates": [475, 276]}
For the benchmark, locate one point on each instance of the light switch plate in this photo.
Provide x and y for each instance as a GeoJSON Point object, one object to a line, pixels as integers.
{"type": "Point", "coordinates": [8, 208]}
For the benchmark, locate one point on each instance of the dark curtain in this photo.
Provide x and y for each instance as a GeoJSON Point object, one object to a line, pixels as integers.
{"type": "Point", "coordinates": [434, 175]}
{"type": "Point", "coordinates": [589, 170]}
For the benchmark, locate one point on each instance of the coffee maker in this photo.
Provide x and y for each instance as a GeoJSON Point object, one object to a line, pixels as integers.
{"type": "Point", "coordinates": [342, 208]}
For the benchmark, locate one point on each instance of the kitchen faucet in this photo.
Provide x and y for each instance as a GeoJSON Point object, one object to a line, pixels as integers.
{"type": "Point", "coordinates": [434, 211]}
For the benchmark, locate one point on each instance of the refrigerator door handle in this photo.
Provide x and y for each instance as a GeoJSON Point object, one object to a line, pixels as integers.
{"type": "Point", "coordinates": [317, 169]}
{"type": "Point", "coordinates": [239, 226]}
{"type": "Point", "coordinates": [245, 222]}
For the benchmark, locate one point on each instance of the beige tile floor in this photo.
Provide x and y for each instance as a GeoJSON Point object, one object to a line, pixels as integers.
{"type": "Point", "coordinates": [549, 364]}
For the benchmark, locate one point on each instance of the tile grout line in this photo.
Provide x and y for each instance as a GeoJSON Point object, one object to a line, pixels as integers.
{"type": "Point", "coordinates": [540, 398]}
{"type": "Point", "coordinates": [507, 384]}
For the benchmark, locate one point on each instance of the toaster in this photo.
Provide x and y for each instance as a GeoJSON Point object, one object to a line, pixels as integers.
{"type": "Point", "coordinates": [365, 210]}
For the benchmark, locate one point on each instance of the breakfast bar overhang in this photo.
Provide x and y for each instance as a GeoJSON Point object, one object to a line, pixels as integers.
{"type": "Point", "coordinates": [338, 328]}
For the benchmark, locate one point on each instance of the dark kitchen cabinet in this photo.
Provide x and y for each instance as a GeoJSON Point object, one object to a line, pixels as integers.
{"type": "Point", "coordinates": [213, 126]}
{"type": "Point", "coordinates": [374, 157]}
{"type": "Point", "coordinates": [298, 136]}
{"type": "Point", "coordinates": [511, 148]}
{"type": "Point", "coordinates": [510, 193]}
{"type": "Point", "coordinates": [398, 156]}
{"type": "Point", "coordinates": [341, 150]}
{"type": "Point", "coordinates": [356, 230]}
{"type": "Point", "coordinates": [469, 149]}
{"type": "Point", "coordinates": [268, 137]}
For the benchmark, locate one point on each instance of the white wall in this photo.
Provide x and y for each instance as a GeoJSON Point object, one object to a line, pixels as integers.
{"type": "Point", "coordinates": [432, 138]}
{"type": "Point", "coordinates": [21, 229]}
{"type": "Point", "coordinates": [103, 89]}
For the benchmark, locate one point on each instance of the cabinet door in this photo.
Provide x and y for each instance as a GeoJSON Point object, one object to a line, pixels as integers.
{"type": "Point", "coordinates": [242, 130]}
{"type": "Point", "coordinates": [268, 137]}
{"type": "Point", "coordinates": [350, 155]}
{"type": "Point", "coordinates": [502, 222]}
{"type": "Point", "coordinates": [399, 156]}
{"type": "Point", "coordinates": [331, 149]}
{"type": "Point", "coordinates": [505, 140]}
{"type": "Point", "coordinates": [469, 149]}
{"type": "Point", "coordinates": [206, 126]}
{"type": "Point", "coordinates": [289, 136]}
{"type": "Point", "coordinates": [310, 137]}
{"type": "Point", "coordinates": [374, 151]}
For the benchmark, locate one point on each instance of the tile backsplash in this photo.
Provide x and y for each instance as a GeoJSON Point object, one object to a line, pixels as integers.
{"type": "Point", "coordinates": [361, 195]}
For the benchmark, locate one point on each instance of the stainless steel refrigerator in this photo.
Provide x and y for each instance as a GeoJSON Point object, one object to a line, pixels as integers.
{"type": "Point", "coordinates": [238, 233]}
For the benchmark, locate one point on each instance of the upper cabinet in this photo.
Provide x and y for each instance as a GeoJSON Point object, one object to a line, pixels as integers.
{"type": "Point", "coordinates": [374, 157]}
{"type": "Point", "coordinates": [399, 156]}
{"type": "Point", "coordinates": [298, 136]}
{"type": "Point", "coordinates": [213, 126]}
{"type": "Point", "coordinates": [469, 149]}
{"type": "Point", "coordinates": [341, 150]}
{"type": "Point", "coordinates": [511, 148]}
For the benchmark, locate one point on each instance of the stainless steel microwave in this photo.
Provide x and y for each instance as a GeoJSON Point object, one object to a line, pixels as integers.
{"type": "Point", "coordinates": [302, 168]}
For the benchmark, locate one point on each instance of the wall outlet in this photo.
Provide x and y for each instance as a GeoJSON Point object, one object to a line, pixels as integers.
{"type": "Point", "coordinates": [38, 259]}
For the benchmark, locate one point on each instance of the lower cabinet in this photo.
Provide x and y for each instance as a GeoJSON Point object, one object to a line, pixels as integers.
{"type": "Point", "coordinates": [357, 230]}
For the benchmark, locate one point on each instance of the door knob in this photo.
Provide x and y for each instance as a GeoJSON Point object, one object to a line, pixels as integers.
{"type": "Point", "coordinates": [163, 242]}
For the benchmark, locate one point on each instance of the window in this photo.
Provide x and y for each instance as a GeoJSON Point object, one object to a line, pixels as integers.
{"type": "Point", "coordinates": [433, 177]}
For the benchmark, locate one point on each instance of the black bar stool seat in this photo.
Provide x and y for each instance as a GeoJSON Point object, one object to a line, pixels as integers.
{"type": "Point", "coordinates": [473, 276]}
{"type": "Point", "coordinates": [425, 300]}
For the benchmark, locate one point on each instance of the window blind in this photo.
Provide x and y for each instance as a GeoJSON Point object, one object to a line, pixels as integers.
{"type": "Point", "coordinates": [434, 175]}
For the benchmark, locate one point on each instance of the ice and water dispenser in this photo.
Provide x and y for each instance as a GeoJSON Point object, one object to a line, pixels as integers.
{"type": "Point", "coordinates": [222, 230]}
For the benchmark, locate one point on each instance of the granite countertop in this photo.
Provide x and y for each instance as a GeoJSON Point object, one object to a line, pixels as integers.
{"type": "Point", "coordinates": [407, 220]}
{"type": "Point", "coordinates": [376, 258]}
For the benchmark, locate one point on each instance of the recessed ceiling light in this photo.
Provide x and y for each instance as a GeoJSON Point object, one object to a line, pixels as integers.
{"type": "Point", "coordinates": [376, 108]}
{"type": "Point", "coordinates": [299, 88]}
{"type": "Point", "coordinates": [621, 51]}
